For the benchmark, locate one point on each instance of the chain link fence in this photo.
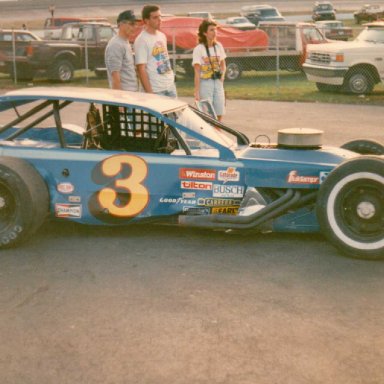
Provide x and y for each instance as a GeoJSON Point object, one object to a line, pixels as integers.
{"type": "Point", "coordinates": [279, 57]}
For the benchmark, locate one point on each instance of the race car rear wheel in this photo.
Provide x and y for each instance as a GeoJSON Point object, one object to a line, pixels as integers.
{"type": "Point", "coordinates": [24, 201]}
{"type": "Point", "coordinates": [350, 207]}
{"type": "Point", "coordinates": [364, 147]}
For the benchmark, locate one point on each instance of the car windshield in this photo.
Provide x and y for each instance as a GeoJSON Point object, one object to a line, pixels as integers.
{"type": "Point", "coordinates": [324, 7]}
{"type": "Point", "coordinates": [191, 120]}
{"type": "Point", "coordinates": [372, 35]}
{"type": "Point", "coordinates": [268, 12]}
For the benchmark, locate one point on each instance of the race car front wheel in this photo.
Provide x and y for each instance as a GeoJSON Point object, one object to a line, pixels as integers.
{"type": "Point", "coordinates": [350, 207]}
{"type": "Point", "coordinates": [24, 201]}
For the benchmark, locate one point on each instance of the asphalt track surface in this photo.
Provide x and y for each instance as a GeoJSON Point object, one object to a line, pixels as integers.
{"type": "Point", "coordinates": [151, 304]}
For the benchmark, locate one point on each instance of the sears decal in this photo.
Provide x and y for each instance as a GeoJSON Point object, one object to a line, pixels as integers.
{"type": "Point", "coordinates": [294, 178]}
{"type": "Point", "coordinates": [197, 174]}
{"type": "Point", "coordinates": [198, 185]}
{"type": "Point", "coordinates": [230, 174]}
{"type": "Point", "coordinates": [68, 211]}
{"type": "Point", "coordinates": [225, 210]}
{"type": "Point", "coordinates": [65, 187]}
{"type": "Point", "coordinates": [228, 190]}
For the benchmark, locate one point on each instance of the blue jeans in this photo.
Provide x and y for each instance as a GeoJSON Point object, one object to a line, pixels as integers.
{"type": "Point", "coordinates": [170, 92]}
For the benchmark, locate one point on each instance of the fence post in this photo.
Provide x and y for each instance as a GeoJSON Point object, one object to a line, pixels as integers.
{"type": "Point", "coordinates": [14, 56]}
{"type": "Point", "coordinates": [278, 60]}
{"type": "Point", "coordinates": [86, 54]}
{"type": "Point", "coordinates": [174, 51]}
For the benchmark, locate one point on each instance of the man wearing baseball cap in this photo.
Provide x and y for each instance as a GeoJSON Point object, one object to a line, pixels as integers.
{"type": "Point", "coordinates": [119, 57]}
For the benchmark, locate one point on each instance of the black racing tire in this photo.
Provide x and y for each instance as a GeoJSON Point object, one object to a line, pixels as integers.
{"type": "Point", "coordinates": [62, 71]}
{"type": "Point", "coordinates": [24, 201]}
{"type": "Point", "coordinates": [233, 71]}
{"type": "Point", "coordinates": [328, 87]}
{"type": "Point", "coordinates": [350, 207]}
{"type": "Point", "coordinates": [358, 81]}
{"type": "Point", "coordinates": [364, 147]}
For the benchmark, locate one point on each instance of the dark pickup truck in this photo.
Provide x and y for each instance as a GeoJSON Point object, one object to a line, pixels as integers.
{"type": "Point", "coordinates": [81, 46]}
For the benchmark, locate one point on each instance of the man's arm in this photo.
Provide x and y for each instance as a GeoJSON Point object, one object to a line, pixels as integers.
{"type": "Point", "coordinates": [116, 81]}
{"type": "Point", "coordinates": [143, 76]}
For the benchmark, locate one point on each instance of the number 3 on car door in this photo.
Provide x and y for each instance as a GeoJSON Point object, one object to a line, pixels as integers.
{"type": "Point", "coordinates": [139, 195]}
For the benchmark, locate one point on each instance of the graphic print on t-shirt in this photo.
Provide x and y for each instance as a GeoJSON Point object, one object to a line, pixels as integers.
{"type": "Point", "coordinates": [206, 71]}
{"type": "Point", "coordinates": [160, 54]}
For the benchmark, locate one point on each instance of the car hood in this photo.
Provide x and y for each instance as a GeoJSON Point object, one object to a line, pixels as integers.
{"type": "Point", "coordinates": [342, 46]}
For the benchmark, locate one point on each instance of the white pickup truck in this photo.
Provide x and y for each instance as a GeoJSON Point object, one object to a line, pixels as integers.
{"type": "Point", "coordinates": [353, 66]}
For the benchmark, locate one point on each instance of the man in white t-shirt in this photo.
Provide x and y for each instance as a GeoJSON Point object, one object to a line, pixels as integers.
{"type": "Point", "coordinates": [151, 55]}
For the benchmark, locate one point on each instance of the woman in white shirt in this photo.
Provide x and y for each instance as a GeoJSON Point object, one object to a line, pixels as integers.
{"type": "Point", "coordinates": [209, 65]}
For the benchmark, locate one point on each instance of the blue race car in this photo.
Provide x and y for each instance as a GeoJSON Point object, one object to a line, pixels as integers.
{"type": "Point", "coordinates": [107, 157]}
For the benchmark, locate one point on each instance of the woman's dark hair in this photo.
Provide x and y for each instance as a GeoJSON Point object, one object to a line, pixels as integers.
{"type": "Point", "coordinates": [203, 28]}
{"type": "Point", "coordinates": [147, 10]}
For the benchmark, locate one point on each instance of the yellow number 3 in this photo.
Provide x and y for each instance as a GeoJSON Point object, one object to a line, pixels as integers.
{"type": "Point", "coordinates": [139, 195]}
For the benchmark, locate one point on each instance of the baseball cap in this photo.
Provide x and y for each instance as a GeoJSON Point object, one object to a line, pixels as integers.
{"type": "Point", "coordinates": [126, 16]}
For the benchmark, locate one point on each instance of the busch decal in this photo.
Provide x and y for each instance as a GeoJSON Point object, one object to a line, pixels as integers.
{"type": "Point", "coordinates": [197, 174]}
{"type": "Point", "coordinates": [230, 174]}
{"type": "Point", "coordinates": [228, 190]}
{"type": "Point", "coordinates": [294, 178]}
{"type": "Point", "coordinates": [68, 210]}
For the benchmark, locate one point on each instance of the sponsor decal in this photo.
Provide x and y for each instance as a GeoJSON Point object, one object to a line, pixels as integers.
{"type": "Point", "coordinates": [197, 210]}
{"type": "Point", "coordinates": [189, 195]}
{"type": "Point", "coordinates": [68, 210]}
{"type": "Point", "coordinates": [230, 174]}
{"type": "Point", "coordinates": [294, 178]}
{"type": "Point", "coordinates": [199, 185]}
{"type": "Point", "coordinates": [228, 190]}
{"type": "Point", "coordinates": [177, 200]}
{"type": "Point", "coordinates": [323, 176]}
{"type": "Point", "coordinates": [197, 174]}
{"type": "Point", "coordinates": [211, 202]}
{"type": "Point", "coordinates": [225, 210]}
{"type": "Point", "coordinates": [65, 187]}
{"type": "Point", "coordinates": [74, 199]}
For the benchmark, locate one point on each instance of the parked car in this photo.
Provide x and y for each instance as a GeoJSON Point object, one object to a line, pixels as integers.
{"type": "Point", "coordinates": [53, 25]}
{"type": "Point", "coordinates": [368, 13]}
{"type": "Point", "coordinates": [354, 66]}
{"type": "Point", "coordinates": [334, 30]}
{"type": "Point", "coordinates": [7, 37]}
{"type": "Point", "coordinates": [257, 13]}
{"type": "Point", "coordinates": [149, 158]}
{"type": "Point", "coordinates": [240, 22]}
{"type": "Point", "coordinates": [323, 11]}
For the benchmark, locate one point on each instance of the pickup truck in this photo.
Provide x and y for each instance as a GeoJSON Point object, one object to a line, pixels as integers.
{"type": "Point", "coordinates": [286, 50]}
{"type": "Point", "coordinates": [353, 66]}
{"type": "Point", "coordinates": [81, 46]}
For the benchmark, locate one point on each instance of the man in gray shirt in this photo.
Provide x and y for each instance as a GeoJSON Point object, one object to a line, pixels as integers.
{"type": "Point", "coordinates": [119, 57]}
